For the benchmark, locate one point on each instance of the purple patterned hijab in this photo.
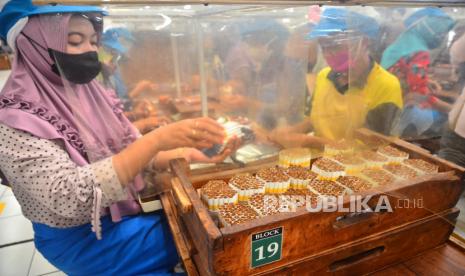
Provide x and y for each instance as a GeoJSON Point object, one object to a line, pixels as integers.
{"type": "Point", "coordinates": [87, 118]}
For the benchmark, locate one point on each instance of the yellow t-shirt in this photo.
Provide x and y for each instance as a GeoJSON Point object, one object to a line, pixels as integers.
{"type": "Point", "coordinates": [336, 116]}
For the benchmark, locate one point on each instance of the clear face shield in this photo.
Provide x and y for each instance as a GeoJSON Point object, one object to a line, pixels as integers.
{"type": "Point", "coordinates": [68, 48]}
{"type": "Point", "coordinates": [425, 107]}
{"type": "Point", "coordinates": [350, 63]}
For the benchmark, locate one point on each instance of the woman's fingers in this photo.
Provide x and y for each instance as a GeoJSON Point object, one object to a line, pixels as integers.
{"type": "Point", "coordinates": [210, 122]}
{"type": "Point", "coordinates": [202, 144]}
{"type": "Point", "coordinates": [220, 157]}
{"type": "Point", "coordinates": [236, 144]}
{"type": "Point", "coordinates": [209, 125]}
{"type": "Point", "coordinates": [206, 129]}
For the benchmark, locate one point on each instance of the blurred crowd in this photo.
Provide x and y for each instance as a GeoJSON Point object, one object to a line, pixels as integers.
{"type": "Point", "coordinates": [397, 71]}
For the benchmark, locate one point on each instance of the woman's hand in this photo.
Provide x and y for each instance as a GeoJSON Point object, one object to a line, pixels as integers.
{"type": "Point", "coordinates": [193, 155]}
{"type": "Point", "coordinates": [141, 86]}
{"type": "Point", "coordinates": [147, 124]}
{"type": "Point", "coordinates": [197, 133]}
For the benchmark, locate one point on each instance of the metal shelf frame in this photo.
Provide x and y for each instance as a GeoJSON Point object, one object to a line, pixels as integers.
{"type": "Point", "coordinates": [411, 3]}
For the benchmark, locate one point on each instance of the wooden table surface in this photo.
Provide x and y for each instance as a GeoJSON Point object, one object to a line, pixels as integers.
{"type": "Point", "coordinates": [447, 259]}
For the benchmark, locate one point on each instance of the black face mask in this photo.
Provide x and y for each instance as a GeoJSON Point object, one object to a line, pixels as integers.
{"type": "Point", "coordinates": [76, 68]}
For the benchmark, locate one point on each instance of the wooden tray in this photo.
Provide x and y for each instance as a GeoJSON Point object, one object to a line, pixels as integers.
{"type": "Point", "coordinates": [354, 258]}
{"type": "Point", "coordinates": [377, 251]}
{"type": "Point", "coordinates": [227, 251]}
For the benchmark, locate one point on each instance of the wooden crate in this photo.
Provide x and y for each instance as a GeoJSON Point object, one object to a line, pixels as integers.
{"type": "Point", "coordinates": [377, 251]}
{"type": "Point", "coordinates": [357, 257]}
{"type": "Point", "coordinates": [305, 236]}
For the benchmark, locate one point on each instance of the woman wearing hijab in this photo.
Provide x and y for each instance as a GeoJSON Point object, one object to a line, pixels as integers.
{"type": "Point", "coordinates": [73, 160]}
{"type": "Point", "coordinates": [409, 58]}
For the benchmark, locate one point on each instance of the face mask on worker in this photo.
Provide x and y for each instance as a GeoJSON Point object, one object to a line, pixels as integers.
{"type": "Point", "coordinates": [76, 68]}
{"type": "Point", "coordinates": [341, 61]}
{"type": "Point", "coordinates": [345, 58]}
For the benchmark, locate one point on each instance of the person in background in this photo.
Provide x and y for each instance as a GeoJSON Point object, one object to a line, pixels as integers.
{"type": "Point", "coordinates": [315, 60]}
{"type": "Point", "coordinates": [111, 53]}
{"type": "Point", "coordinates": [391, 27]}
{"type": "Point", "coordinates": [353, 91]}
{"type": "Point", "coordinates": [72, 158]}
{"type": "Point", "coordinates": [115, 46]}
{"type": "Point", "coordinates": [409, 58]}
{"type": "Point", "coordinates": [299, 56]}
{"type": "Point", "coordinates": [457, 58]}
{"type": "Point", "coordinates": [253, 68]}
{"type": "Point", "coordinates": [452, 144]}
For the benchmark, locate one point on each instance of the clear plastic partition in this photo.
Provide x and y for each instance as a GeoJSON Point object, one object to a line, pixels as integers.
{"type": "Point", "coordinates": [261, 63]}
{"type": "Point", "coordinates": [298, 77]}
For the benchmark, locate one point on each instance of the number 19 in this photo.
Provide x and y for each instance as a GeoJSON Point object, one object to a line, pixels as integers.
{"type": "Point", "coordinates": [271, 248]}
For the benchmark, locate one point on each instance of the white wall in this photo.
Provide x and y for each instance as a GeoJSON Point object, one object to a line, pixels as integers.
{"type": "Point", "coordinates": [3, 77]}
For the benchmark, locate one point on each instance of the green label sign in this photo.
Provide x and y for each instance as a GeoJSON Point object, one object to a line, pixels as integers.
{"type": "Point", "coordinates": [266, 247]}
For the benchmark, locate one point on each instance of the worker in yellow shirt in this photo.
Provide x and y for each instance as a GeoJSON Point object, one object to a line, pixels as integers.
{"type": "Point", "coordinates": [353, 92]}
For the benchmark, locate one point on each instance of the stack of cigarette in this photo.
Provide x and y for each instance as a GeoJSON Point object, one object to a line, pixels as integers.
{"type": "Point", "coordinates": [421, 166]}
{"type": "Point", "coordinates": [352, 163]}
{"type": "Point", "coordinates": [264, 204]}
{"type": "Point", "coordinates": [301, 196]}
{"type": "Point", "coordinates": [373, 159]}
{"type": "Point", "coordinates": [341, 147]}
{"type": "Point", "coordinates": [354, 183]}
{"type": "Point", "coordinates": [394, 155]}
{"type": "Point", "coordinates": [217, 193]}
{"type": "Point", "coordinates": [300, 177]}
{"type": "Point", "coordinates": [378, 177]}
{"type": "Point", "coordinates": [300, 157]}
{"type": "Point", "coordinates": [246, 185]}
{"type": "Point", "coordinates": [231, 129]}
{"type": "Point", "coordinates": [274, 179]}
{"type": "Point", "coordinates": [401, 171]}
{"type": "Point", "coordinates": [327, 169]}
{"type": "Point", "coordinates": [233, 214]}
{"type": "Point", "coordinates": [326, 188]}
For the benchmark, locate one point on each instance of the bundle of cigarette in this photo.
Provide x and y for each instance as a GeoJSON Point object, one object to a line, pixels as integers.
{"type": "Point", "coordinates": [400, 171]}
{"type": "Point", "coordinates": [275, 180]}
{"type": "Point", "coordinates": [298, 157]}
{"type": "Point", "coordinates": [378, 177]}
{"type": "Point", "coordinates": [393, 154]}
{"type": "Point", "coordinates": [246, 185]}
{"type": "Point", "coordinates": [327, 169]}
{"type": "Point", "coordinates": [233, 214]}
{"type": "Point", "coordinates": [217, 193]}
{"type": "Point", "coordinates": [264, 204]}
{"type": "Point", "coordinates": [373, 159]}
{"type": "Point", "coordinates": [352, 163]}
{"type": "Point", "coordinates": [243, 132]}
{"type": "Point", "coordinates": [354, 183]}
{"type": "Point", "coordinates": [341, 147]}
{"type": "Point", "coordinates": [421, 166]}
{"type": "Point", "coordinates": [326, 188]}
{"type": "Point", "coordinates": [300, 177]}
